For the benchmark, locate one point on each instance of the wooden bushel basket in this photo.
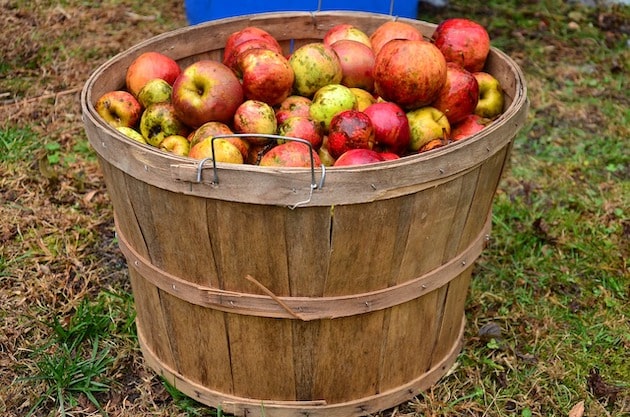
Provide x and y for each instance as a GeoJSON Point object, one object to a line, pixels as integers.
{"type": "Point", "coordinates": [262, 291]}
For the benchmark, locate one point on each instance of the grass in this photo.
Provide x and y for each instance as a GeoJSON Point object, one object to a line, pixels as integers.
{"type": "Point", "coordinates": [549, 305]}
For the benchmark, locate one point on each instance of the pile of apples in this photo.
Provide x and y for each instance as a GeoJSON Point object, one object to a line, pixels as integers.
{"type": "Point", "coordinates": [350, 99]}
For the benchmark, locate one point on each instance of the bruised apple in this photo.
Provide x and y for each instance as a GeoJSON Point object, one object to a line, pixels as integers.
{"type": "Point", "coordinates": [229, 59]}
{"type": "Point", "coordinates": [329, 101]}
{"type": "Point", "coordinates": [350, 129]}
{"type": "Point", "coordinates": [292, 106]}
{"type": "Point", "coordinates": [364, 98]}
{"type": "Point", "coordinates": [410, 73]}
{"type": "Point", "coordinates": [119, 108]}
{"type": "Point", "coordinates": [265, 75]}
{"type": "Point", "coordinates": [459, 95]}
{"type": "Point", "coordinates": [302, 127]}
{"type": "Point", "coordinates": [254, 116]}
{"type": "Point", "coordinates": [158, 121]}
{"type": "Point", "coordinates": [291, 154]}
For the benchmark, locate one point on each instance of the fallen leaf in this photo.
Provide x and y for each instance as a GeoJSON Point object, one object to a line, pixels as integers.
{"type": "Point", "coordinates": [577, 410]}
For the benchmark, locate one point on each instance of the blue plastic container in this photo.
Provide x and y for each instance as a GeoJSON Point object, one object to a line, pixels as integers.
{"type": "Point", "coordinates": [198, 11]}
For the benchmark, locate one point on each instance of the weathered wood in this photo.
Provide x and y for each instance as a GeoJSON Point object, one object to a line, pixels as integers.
{"type": "Point", "coordinates": [347, 305]}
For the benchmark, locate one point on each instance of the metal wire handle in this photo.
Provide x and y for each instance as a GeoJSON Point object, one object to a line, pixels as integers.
{"type": "Point", "coordinates": [313, 186]}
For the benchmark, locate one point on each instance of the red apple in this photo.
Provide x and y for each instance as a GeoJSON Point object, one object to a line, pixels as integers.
{"type": "Point", "coordinates": [358, 157]}
{"type": "Point", "coordinates": [391, 127]}
{"type": "Point", "coordinates": [315, 65]}
{"type": "Point", "coordinates": [206, 91]}
{"type": "Point", "coordinates": [292, 106]}
{"type": "Point", "coordinates": [254, 116]}
{"type": "Point", "coordinates": [246, 34]}
{"type": "Point", "coordinates": [346, 31]}
{"type": "Point", "coordinates": [302, 127]}
{"type": "Point", "coordinates": [459, 95]}
{"type": "Point", "coordinates": [229, 60]}
{"type": "Point", "coordinates": [350, 129]}
{"type": "Point", "coordinates": [119, 108]}
{"type": "Point", "coordinates": [389, 156]}
{"type": "Point", "coordinates": [463, 41]}
{"type": "Point", "coordinates": [159, 121]}
{"type": "Point", "coordinates": [265, 74]}
{"type": "Point", "coordinates": [410, 73]}
{"type": "Point", "coordinates": [468, 126]}
{"type": "Point", "coordinates": [357, 63]}
{"type": "Point", "coordinates": [491, 99]}
{"type": "Point", "coordinates": [427, 124]}
{"type": "Point", "coordinates": [291, 154]}
{"type": "Point", "coordinates": [390, 30]}
{"type": "Point", "coordinates": [148, 66]}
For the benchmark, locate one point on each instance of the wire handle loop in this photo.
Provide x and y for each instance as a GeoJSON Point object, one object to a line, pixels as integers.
{"type": "Point", "coordinates": [313, 186]}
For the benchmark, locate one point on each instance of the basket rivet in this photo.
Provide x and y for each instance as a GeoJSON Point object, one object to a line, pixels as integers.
{"type": "Point", "coordinates": [441, 170]}
{"type": "Point", "coordinates": [424, 287]}
{"type": "Point", "coordinates": [373, 187]}
{"type": "Point", "coordinates": [463, 263]}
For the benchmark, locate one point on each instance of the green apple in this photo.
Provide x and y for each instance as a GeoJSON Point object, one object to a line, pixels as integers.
{"type": "Point", "coordinates": [491, 98]}
{"type": "Point", "coordinates": [156, 90]}
{"type": "Point", "coordinates": [330, 100]}
{"type": "Point", "coordinates": [224, 151]}
{"type": "Point", "coordinates": [314, 66]}
{"type": "Point", "coordinates": [175, 144]}
{"type": "Point", "coordinates": [427, 124]}
{"type": "Point", "coordinates": [159, 121]}
{"type": "Point", "coordinates": [131, 133]}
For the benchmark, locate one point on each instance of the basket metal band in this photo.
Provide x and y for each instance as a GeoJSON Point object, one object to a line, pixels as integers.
{"type": "Point", "coordinates": [304, 308]}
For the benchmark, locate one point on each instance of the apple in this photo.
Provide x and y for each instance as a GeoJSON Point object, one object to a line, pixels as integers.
{"type": "Point", "coordinates": [131, 133]}
{"type": "Point", "coordinates": [175, 144]}
{"type": "Point", "coordinates": [229, 60]}
{"type": "Point", "coordinates": [391, 127]}
{"type": "Point", "coordinates": [463, 41]}
{"type": "Point", "coordinates": [254, 116]}
{"type": "Point", "coordinates": [346, 31]}
{"type": "Point", "coordinates": [459, 95]}
{"type": "Point", "coordinates": [119, 108]}
{"type": "Point", "coordinates": [357, 63]}
{"type": "Point", "coordinates": [209, 129]}
{"type": "Point", "coordinates": [150, 65]}
{"type": "Point", "coordinates": [491, 99]}
{"type": "Point", "coordinates": [291, 154]}
{"type": "Point", "coordinates": [265, 75]}
{"type": "Point", "coordinates": [224, 151]}
{"type": "Point", "coordinates": [315, 65]}
{"type": "Point", "coordinates": [426, 124]}
{"type": "Point", "coordinates": [350, 129]}
{"type": "Point", "coordinates": [159, 121]}
{"type": "Point", "coordinates": [324, 154]}
{"type": "Point", "coordinates": [302, 127]}
{"type": "Point", "coordinates": [410, 73]}
{"type": "Point", "coordinates": [206, 91]}
{"type": "Point", "coordinates": [390, 30]}
{"type": "Point", "coordinates": [389, 156]}
{"type": "Point", "coordinates": [246, 34]}
{"type": "Point", "coordinates": [156, 90]}
{"type": "Point", "coordinates": [468, 126]}
{"type": "Point", "coordinates": [330, 100]}
{"type": "Point", "coordinates": [358, 156]}
{"type": "Point", "coordinates": [293, 105]}
{"type": "Point", "coordinates": [364, 98]}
